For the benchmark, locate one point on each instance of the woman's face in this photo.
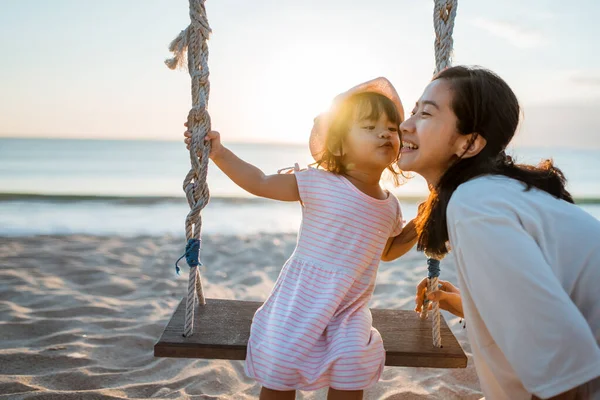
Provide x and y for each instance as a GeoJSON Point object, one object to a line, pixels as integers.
{"type": "Point", "coordinates": [430, 139]}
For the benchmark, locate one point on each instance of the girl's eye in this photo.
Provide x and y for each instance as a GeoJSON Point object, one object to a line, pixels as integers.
{"type": "Point", "coordinates": [369, 127]}
{"type": "Point", "coordinates": [393, 129]}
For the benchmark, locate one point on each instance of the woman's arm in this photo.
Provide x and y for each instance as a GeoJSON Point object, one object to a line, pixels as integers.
{"type": "Point", "coordinates": [399, 245]}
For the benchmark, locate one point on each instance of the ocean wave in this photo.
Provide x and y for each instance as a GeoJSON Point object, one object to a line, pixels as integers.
{"type": "Point", "coordinates": [125, 200]}
{"type": "Point", "coordinates": [149, 200]}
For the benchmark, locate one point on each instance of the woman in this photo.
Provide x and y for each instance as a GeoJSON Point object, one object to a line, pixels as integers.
{"type": "Point", "coordinates": [528, 260]}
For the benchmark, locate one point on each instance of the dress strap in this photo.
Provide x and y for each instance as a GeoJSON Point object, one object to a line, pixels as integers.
{"type": "Point", "coordinates": [289, 170]}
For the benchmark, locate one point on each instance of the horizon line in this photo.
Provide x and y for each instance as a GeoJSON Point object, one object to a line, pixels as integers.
{"type": "Point", "coordinates": [144, 139]}
{"type": "Point", "coordinates": [255, 142]}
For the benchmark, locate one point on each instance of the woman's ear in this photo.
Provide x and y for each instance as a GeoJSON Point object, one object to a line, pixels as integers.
{"type": "Point", "coordinates": [470, 145]}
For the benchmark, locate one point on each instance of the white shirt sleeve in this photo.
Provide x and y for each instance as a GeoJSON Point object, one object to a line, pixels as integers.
{"type": "Point", "coordinates": [531, 318]}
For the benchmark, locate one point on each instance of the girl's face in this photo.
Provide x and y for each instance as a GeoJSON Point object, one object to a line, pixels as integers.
{"type": "Point", "coordinates": [371, 144]}
{"type": "Point", "coordinates": [430, 139]}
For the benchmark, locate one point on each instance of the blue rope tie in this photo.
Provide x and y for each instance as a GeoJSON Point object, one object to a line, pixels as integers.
{"type": "Point", "coordinates": [192, 254]}
{"type": "Point", "coordinates": [433, 266]}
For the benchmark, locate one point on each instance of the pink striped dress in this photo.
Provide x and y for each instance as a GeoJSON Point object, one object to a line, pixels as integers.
{"type": "Point", "coordinates": [315, 328]}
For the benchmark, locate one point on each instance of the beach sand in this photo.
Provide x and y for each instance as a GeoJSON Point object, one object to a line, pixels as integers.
{"type": "Point", "coordinates": [79, 316]}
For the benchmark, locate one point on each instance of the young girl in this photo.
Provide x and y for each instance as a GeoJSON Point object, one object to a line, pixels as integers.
{"type": "Point", "coordinates": [315, 328]}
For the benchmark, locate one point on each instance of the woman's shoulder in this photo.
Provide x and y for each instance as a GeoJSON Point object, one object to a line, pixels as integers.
{"type": "Point", "coordinates": [485, 193]}
{"type": "Point", "coordinates": [487, 185]}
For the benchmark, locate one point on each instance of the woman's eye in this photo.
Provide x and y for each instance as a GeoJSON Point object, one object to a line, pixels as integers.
{"type": "Point", "coordinates": [425, 114]}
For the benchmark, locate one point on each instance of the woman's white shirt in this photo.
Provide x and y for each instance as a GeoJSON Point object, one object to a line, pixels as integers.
{"type": "Point", "coordinates": [529, 272]}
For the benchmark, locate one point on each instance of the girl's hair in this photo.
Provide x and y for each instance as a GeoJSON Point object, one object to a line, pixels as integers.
{"type": "Point", "coordinates": [484, 105]}
{"type": "Point", "coordinates": [361, 106]}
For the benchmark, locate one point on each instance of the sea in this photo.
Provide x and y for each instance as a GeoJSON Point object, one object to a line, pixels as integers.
{"type": "Point", "coordinates": [131, 188]}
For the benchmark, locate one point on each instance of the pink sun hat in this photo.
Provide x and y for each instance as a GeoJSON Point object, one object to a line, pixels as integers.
{"type": "Point", "coordinates": [318, 135]}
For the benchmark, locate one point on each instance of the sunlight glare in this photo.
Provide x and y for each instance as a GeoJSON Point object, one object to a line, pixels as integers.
{"type": "Point", "coordinates": [296, 88]}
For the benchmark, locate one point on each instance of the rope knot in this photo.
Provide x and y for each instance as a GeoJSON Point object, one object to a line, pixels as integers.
{"type": "Point", "coordinates": [196, 116]}
{"type": "Point", "coordinates": [192, 254]}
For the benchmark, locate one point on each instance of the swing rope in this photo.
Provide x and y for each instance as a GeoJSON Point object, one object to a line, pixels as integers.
{"type": "Point", "coordinates": [444, 13]}
{"type": "Point", "coordinates": [193, 40]}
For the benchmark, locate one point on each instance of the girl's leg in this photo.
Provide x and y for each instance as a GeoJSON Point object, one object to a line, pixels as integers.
{"type": "Point", "coordinates": [270, 394]}
{"type": "Point", "coordinates": [335, 394]}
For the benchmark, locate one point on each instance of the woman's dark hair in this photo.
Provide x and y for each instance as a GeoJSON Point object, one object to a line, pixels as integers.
{"type": "Point", "coordinates": [484, 105]}
{"type": "Point", "coordinates": [366, 105]}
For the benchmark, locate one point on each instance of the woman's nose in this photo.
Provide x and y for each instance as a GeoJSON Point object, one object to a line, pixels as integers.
{"type": "Point", "coordinates": [407, 125]}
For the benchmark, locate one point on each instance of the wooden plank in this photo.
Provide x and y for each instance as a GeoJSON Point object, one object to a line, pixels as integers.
{"type": "Point", "coordinates": [222, 328]}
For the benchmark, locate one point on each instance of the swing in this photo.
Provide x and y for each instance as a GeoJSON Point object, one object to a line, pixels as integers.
{"type": "Point", "coordinates": [218, 328]}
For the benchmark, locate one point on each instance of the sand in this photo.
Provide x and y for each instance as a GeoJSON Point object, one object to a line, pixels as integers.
{"type": "Point", "coordinates": [79, 316]}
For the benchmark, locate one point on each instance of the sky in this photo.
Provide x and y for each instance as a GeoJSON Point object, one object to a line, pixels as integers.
{"type": "Point", "coordinates": [94, 69]}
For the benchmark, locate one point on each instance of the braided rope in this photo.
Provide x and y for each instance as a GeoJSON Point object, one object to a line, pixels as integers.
{"type": "Point", "coordinates": [193, 39]}
{"type": "Point", "coordinates": [444, 12]}
{"type": "Point", "coordinates": [436, 317]}
{"type": "Point", "coordinates": [433, 265]}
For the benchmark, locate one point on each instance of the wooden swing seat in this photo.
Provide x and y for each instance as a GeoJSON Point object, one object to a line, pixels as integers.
{"type": "Point", "coordinates": [222, 327]}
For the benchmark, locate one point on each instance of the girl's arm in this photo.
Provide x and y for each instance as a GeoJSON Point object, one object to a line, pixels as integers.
{"type": "Point", "coordinates": [249, 177]}
{"type": "Point", "coordinates": [399, 245]}
{"type": "Point", "coordinates": [253, 180]}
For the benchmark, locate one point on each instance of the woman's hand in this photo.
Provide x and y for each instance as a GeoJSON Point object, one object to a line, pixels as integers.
{"type": "Point", "coordinates": [213, 137]}
{"type": "Point", "coordinates": [447, 295]}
